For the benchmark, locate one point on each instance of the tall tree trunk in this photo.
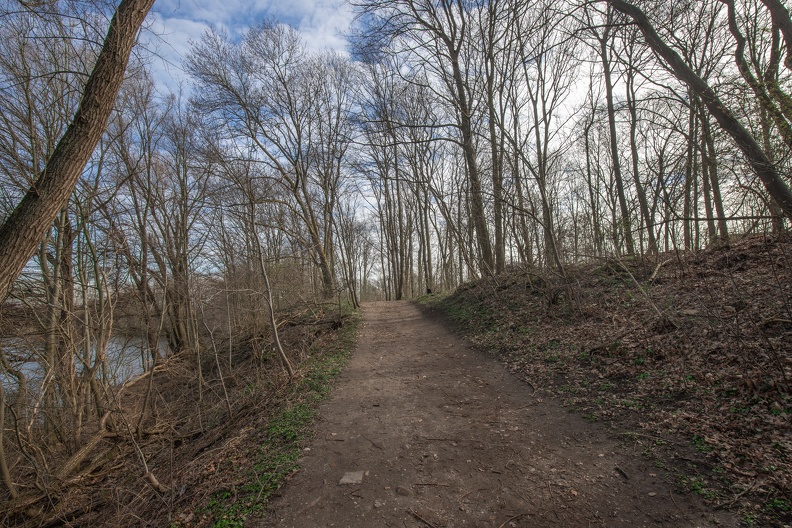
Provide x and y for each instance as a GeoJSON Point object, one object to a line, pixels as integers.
{"type": "Point", "coordinates": [705, 185]}
{"type": "Point", "coordinates": [775, 210]}
{"type": "Point", "coordinates": [689, 203]}
{"type": "Point", "coordinates": [639, 187]}
{"type": "Point", "coordinates": [595, 221]}
{"type": "Point", "coordinates": [495, 150]}
{"type": "Point", "coordinates": [478, 216]}
{"type": "Point", "coordinates": [712, 162]}
{"type": "Point", "coordinates": [625, 224]}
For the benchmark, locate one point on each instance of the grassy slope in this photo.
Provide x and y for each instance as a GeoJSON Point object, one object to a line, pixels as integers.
{"type": "Point", "coordinates": [693, 366]}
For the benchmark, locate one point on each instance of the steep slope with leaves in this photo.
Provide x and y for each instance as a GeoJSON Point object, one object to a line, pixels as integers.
{"type": "Point", "coordinates": [689, 355]}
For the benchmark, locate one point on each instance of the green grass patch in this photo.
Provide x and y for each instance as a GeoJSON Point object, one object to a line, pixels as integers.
{"type": "Point", "coordinates": [779, 505]}
{"type": "Point", "coordinates": [432, 300]}
{"type": "Point", "coordinates": [286, 433]}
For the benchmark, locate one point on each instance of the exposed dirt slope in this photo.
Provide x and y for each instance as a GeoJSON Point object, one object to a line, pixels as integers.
{"type": "Point", "coordinates": [430, 432]}
{"type": "Point", "coordinates": [689, 355]}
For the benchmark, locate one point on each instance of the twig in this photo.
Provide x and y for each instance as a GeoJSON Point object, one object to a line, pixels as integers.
{"type": "Point", "coordinates": [414, 514]}
{"type": "Point", "coordinates": [528, 382]}
{"type": "Point", "coordinates": [462, 498]}
{"type": "Point", "coordinates": [217, 363]}
{"type": "Point", "coordinates": [659, 265]}
{"type": "Point", "coordinates": [152, 480]}
{"type": "Point", "coordinates": [774, 320]}
{"type": "Point", "coordinates": [671, 494]}
{"type": "Point", "coordinates": [608, 343]}
{"type": "Point", "coordinates": [622, 472]}
{"type": "Point", "coordinates": [465, 495]}
{"type": "Point", "coordinates": [630, 433]}
{"type": "Point", "coordinates": [510, 519]}
{"type": "Point", "coordinates": [736, 497]}
{"type": "Point", "coordinates": [645, 294]}
{"type": "Point", "coordinates": [378, 446]}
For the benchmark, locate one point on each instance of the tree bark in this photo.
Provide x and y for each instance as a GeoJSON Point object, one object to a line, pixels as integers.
{"type": "Point", "coordinates": [4, 471]}
{"type": "Point", "coordinates": [27, 224]}
{"type": "Point", "coordinates": [632, 107]}
{"type": "Point", "coordinates": [487, 265]}
{"type": "Point", "coordinates": [689, 204]}
{"type": "Point", "coordinates": [712, 170]}
{"type": "Point", "coordinates": [757, 87]}
{"type": "Point", "coordinates": [495, 141]}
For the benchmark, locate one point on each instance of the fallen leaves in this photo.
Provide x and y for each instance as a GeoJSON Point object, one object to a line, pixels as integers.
{"type": "Point", "coordinates": [720, 374]}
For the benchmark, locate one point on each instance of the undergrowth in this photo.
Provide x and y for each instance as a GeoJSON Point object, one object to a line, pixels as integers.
{"type": "Point", "coordinates": [284, 436]}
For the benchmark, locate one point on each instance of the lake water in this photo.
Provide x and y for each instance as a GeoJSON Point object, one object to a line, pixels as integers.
{"type": "Point", "coordinates": [124, 359]}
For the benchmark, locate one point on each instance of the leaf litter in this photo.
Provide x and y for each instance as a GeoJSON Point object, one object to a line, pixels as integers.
{"type": "Point", "coordinates": [689, 354]}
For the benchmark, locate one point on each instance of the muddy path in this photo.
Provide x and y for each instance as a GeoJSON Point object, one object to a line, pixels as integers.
{"type": "Point", "coordinates": [423, 430]}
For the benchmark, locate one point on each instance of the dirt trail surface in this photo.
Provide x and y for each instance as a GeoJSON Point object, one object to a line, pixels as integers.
{"type": "Point", "coordinates": [423, 430]}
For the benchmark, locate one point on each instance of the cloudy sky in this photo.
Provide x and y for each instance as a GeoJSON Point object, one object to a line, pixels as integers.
{"type": "Point", "coordinates": [173, 23]}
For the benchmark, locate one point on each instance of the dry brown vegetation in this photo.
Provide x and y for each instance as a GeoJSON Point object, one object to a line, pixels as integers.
{"type": "Point", "coordinates": [690, 355]}
{"type": "Point", "coordinates": [188, 460]}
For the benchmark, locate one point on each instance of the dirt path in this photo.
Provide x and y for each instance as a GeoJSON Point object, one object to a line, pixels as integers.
{"type": "Point", "coordinates": [429, 432]}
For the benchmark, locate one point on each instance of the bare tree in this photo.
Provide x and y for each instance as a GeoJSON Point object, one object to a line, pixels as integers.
{"type": "Point", "coordinates": [438, 34]}
{"type": "Point", "coordinates": [270, 92]}
{"type": "Point", "coordinates": [605, 47]}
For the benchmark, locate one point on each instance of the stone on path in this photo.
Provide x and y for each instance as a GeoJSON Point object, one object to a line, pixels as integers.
{"type": "Point", "coordinates": [352, 477]}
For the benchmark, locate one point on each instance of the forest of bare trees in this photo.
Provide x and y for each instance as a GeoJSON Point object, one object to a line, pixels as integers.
{"type": "Point", "coordinates": [456, 139]}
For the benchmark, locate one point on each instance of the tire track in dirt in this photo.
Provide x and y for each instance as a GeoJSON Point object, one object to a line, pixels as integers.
{"type": "Point", "coordinates": [430, 432]}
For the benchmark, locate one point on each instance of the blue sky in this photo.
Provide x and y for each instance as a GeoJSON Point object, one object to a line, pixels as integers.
{"type": "Point", "coordinates": [173, 23]}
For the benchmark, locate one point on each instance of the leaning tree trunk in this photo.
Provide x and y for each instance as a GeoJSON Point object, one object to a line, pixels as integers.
{"type": "Point", "coordinates": [761, 164]}
{"type": "Point", "coordinates": [24, 229]}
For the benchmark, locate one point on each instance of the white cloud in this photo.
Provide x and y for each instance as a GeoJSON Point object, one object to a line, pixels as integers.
{"type": "Point", "coordinates": [168, 39]}
{"type": "Point", "coordinates": [325, 26]}
{"type": "Point", "coordinates": [175, 23]}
